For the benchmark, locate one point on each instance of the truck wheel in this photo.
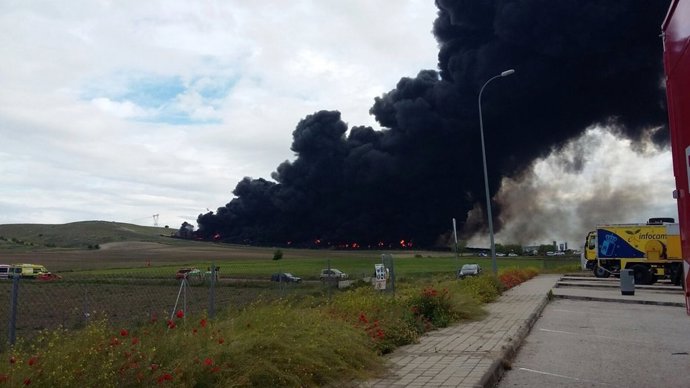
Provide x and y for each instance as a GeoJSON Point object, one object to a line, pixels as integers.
{"type": "Point", "coordinates": [641, 274]}
{"type": "Point", "coordinates": [653, 279]}
{"type": "Point", "coordinates": [677, 276]}
{"type": "Point", "coordinates": [601, 272]}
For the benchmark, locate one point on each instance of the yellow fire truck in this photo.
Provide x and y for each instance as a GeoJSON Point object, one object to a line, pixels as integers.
{"type": "Point", "coordinates": [651, 250]}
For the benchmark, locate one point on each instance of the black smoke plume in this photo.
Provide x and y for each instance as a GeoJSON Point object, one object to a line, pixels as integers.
{"type": "Point", "coordinates": [578, 63]}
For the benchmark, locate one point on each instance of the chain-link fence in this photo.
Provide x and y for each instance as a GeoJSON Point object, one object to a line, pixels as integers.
{"type": "Point", "coordinates": [130, 297]}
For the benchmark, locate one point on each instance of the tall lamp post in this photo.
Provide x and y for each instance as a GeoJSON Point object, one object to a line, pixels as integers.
{"type": "Point", "coordinates": [486, 176]}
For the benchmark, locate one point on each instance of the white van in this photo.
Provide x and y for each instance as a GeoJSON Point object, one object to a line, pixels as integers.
{"type": "Point", "coordinates": [4, 271]}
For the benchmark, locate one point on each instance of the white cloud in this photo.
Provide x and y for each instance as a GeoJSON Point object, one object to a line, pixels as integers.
{"type": "Point", "coordinates": [121, 110]}
{"type": "Point", "coordinates": [118, 110]}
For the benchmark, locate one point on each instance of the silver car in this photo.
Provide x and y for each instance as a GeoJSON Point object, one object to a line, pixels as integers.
{"type": "Point", "coordinates": [469, 270]}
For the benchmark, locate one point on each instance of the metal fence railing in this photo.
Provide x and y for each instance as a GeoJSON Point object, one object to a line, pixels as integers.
{"type": "Point", "coordinates": [130, 297]}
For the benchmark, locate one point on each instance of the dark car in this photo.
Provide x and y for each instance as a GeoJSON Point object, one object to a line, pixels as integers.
{"type": "Point", "coordinates": [469, 270]}
{"type": "Point", "coordinates": [285, 277]}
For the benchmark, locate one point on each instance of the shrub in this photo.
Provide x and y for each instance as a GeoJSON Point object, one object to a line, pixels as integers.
{"type": "Point", "coordinates": [311, 342]}
{"type": "Point", "coordinates": [273, 344]}
{"type": "Point", "coordinates": [433, 307]}
{"type": "Point", "coordinates": [278, 254]}
{"type": "Point", "coordinates": [511, 277]}
{"type": "Point", "coordinates": [485, 288]}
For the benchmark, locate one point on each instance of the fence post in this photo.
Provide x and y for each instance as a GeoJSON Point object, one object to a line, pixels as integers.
{"type": "Point", "coordinates": [212, 293]}
{"type": "Point", "coordinates": [86, 314]}
{"type": "Point", "coordinates": [12, 334]}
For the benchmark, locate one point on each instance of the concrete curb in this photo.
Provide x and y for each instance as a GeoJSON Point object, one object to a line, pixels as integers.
{"type": "Point", "coordinates": [616, 300]}
{"type": "Point", "coordinates": [508, 353]}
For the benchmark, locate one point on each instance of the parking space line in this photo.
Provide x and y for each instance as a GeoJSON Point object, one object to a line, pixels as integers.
{"type": "Point", "coordinates": [619, 339]}
{"type": "Point", "coordinates": [565, 377]}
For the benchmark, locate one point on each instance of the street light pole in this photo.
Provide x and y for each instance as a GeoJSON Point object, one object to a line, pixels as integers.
{"type": "Point", "coordinates": [486, 175]}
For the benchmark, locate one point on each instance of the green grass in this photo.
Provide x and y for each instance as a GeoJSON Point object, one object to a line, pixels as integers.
{"type": "Point", "coordinates": [309, 268]}
{"type": "Point", "coordinates": [64, 248]}
{"type": "Point", "coordinates": [75, 235]}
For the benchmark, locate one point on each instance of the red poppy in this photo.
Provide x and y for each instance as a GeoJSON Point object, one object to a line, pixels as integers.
{"type": "Point", "coordinates": [135, 340]}
{"type": "Point", "coordinates": [165, 377]}
{"type": "Point", "coordinates": [202, 323]}
{"type": "Point", "coordinates": [32, 360]}
{"type": "Point", "coordinates": [27, 381]}
{"type": "Point", "coordinates": [208, 361]}
{"type": "Point", "coordinates": [179, 314]}
{"type": "Point", "coordinates": [171, 324]}
{"type": "Point", "coordinates": [215, 369]}
{"type": "Point", "coordinates": [13, 360]}
{"type": "Point", "coordinates": [221, 340]}
{"type": "Point", "coordinates": [154, 367]}
{"type": "Point", "coordinates": [124, 332]}
{"type": "Point", "coordinates": [4, 378]}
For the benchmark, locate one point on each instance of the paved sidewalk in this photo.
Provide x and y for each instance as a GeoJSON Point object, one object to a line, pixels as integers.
{"type": "Point", "coordinates": [471, 354]}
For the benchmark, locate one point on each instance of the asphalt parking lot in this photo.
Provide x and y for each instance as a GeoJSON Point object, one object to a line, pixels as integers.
{"type": "Point", "coordinates": [591, 343]}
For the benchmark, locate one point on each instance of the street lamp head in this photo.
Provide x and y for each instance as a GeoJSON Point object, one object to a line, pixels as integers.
{"type": "Point", "coordinates": [507, 72]}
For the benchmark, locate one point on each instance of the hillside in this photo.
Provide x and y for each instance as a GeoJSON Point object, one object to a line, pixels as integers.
{"type": "Point", "coordinates": [83, 234]}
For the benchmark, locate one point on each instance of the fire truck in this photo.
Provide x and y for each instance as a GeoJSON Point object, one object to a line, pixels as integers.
{"type": "Point", "coordinates": [651, 250]}
{"type": "Point", "coordinates": [676, 42]}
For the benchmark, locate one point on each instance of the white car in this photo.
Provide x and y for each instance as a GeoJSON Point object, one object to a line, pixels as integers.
{"type": "Point", "coordinates": [332, 273]}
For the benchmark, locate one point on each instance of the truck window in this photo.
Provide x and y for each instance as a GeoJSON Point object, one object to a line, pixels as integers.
{"type": "Point", "coordinates": [592, 243]}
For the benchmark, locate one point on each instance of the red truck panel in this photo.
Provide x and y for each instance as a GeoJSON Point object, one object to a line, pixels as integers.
{"type": "Point", "coordinates": [676, 38]}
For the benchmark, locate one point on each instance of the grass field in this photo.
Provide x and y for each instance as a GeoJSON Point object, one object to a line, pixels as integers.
{"type": "Point", "coordinates": [131, 274]}
{"type": "Point", "coordinates": [124, 275]}
{"type": "Point", "coordinates": [148, 251]}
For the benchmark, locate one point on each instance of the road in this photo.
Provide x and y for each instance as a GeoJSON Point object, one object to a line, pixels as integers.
{"type": "Point", "coordinates": [604, 344]}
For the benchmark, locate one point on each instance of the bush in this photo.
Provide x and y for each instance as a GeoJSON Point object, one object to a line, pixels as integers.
{"type": "Point", "coordinates": [310, 343]}
{"type": "Point", "coordinates": [485, 288]}
{"type": "Point", "coordinates": [511, 277]}
{"type": "Point", "coordinates": [278, 254]}
{"type": "Point", "coordinates": [267, 345]}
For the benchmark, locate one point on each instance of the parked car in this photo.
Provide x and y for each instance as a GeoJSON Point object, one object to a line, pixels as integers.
{"type": "Point", "coordinates": [187, 272]}
{"type": "Point", "coordinates": [333, 273]}
{"type": "Point", "coordinates": [285, 277]}
{"type": "Point", "coordinates": [4, 271]}
{"type": "Point", "coordinates": [469, 270]}
{"type": "Point", "coordinates": [512, 254]}
{"type": "Point", "coordinates": [482, 254]}
{"type": "Point", "coordinates": [48, 276]}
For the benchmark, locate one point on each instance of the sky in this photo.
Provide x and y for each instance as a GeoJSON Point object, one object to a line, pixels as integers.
{"type": "Point", "coordinates": [120, 111]}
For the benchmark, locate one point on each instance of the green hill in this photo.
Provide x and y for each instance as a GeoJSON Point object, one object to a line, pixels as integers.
{"type": "Point", "coordinates": [84, 234]}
